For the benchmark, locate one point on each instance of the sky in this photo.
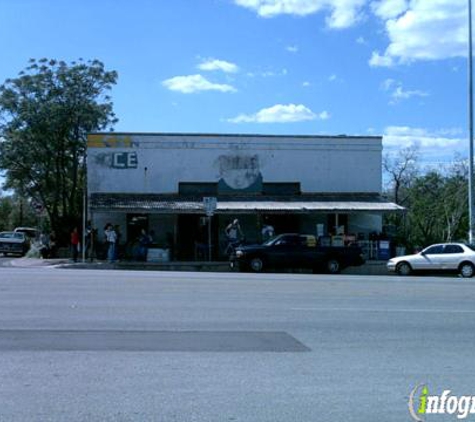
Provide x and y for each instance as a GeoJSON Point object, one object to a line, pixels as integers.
{"type": "Point", "coordinates": [396, 68]}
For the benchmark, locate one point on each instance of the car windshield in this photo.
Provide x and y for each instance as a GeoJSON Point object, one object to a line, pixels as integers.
{"type": "Point", "coordinates": [472, 247]}
{"type": "Point", "coordinates": [272, 240]}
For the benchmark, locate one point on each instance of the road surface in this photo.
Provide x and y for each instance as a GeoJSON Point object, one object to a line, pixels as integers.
{"type": "Point", "coordinates": [80, 345]}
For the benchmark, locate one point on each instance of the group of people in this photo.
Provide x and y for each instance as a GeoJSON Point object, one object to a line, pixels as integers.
{"type": "Point", "coordinates": [111, 239]}
{"type": "Point", "coordinates": [234, 234]}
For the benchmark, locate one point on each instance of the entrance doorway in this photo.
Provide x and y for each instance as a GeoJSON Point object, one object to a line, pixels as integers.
{"type": "Point", "coordinates": [135, 224]}
{"type": "Point", "coordinates": [192, 237]}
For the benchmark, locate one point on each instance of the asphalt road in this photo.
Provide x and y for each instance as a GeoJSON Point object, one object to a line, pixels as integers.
{"type": "Point", "coordinates": [79, 345]}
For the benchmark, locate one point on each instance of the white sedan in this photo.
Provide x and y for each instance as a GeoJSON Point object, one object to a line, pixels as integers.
{"type": "Point", "coordinates": [444, 257]}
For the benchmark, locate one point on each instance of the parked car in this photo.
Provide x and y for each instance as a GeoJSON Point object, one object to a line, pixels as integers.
{"type": "Point", "coordinates": [294, 250]}
{"type": "Point", "coordinates": [14, 243]}
{"type": "Point", "coordinates": [442, 257]}
{"type": "Point", "coordinates": [32, 233]}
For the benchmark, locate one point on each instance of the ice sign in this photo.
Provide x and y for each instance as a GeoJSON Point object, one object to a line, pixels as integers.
{"type": "Point", "coordinates": [124, 160]}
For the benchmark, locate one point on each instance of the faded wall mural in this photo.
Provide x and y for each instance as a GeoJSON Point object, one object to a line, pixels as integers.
{"type": "Point", "coordinates": [239, 172]}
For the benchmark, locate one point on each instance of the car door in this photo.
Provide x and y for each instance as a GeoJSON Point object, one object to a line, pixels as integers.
{"type": "Point", "coordinates": [430, 258]}
{"type": "Point", "coordinates": [5, 240]}
{"type": "Point", "coordinates": [451, 257]}
{"type": "Point", "coordinates": [285, 252]}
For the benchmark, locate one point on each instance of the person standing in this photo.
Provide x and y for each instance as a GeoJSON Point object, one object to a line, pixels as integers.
{"type": "Point", "coordinates": [267, 231]}
{"type": "Point", "coordinates": [234, 235]}
{"type": "Point", "coordinates": [53, 244]}
{"type": "Point", "coordinates": [88, 241]}
{"type": "Point", "coordinates": [118, 236]}
{"type": "Point", "coordinates": [111, 239]}
{"type": "Point", "coordinates": [233, 231]}
{"type": "Point", "coordinates": [144, 243]}
{"type": "Point", "coordinates": [75, 244]}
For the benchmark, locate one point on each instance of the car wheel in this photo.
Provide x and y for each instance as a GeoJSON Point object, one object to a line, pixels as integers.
{"type": "Point", "coordinates": [403, 268]}
{"type": "Point", "coordinates": [256, 264]}
{"type": "Point", "coordinates": [467, 270]}
{"type": "Point", "coordinates": [333, 266]}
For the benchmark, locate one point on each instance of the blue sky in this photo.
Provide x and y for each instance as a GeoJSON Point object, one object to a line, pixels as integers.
{"type": "Point", "coordinates": [395, 68]}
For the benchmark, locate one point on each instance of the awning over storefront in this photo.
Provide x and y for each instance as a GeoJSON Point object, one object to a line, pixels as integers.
{"type": "Point", "coordinates": [298, 204]}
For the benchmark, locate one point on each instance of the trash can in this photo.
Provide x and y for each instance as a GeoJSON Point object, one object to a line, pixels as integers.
{"type": "Point", "coordinates": [384, 250]}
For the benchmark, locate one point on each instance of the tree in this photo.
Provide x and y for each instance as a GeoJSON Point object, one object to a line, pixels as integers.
{"type": "Point", "coordinates": [16, 211]}
{"type": "Point", "coordinates": [435, 201]}
{"type": "Point", "coordinates": [454, 204]}
{"type": "Point", "coordinates": [401, 169]}
{"type": "Point", "coordinates": [46, 113]}
{"type": "Point", "coordinates": [424, 217]}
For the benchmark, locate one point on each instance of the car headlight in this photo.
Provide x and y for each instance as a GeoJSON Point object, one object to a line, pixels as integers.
{"type": "Point", "coordinates": [239, 254]}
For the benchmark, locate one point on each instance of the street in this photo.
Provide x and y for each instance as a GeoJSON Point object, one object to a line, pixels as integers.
{"type": "Point", "coordinates": [81, 345]}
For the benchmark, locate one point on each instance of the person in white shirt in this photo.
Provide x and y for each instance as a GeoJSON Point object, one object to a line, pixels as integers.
{"type": "Point", "coordinates": [111, 239]}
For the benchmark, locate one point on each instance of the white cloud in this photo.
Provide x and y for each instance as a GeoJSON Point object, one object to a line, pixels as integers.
{"type": "Point", "coordinates": [361, 41]}
{"type": "Point", "coordinates": [377, 60]}
{"type": "Point", "coordinates": [398, 93]}
{"type": "Point", "coordinates": [306, 84]}
{"type": "Point", "coordinates": [416, 29]}
{"type": "Point", "coordinates": [195, 83]}
{"type": "Point", "coordinates": [268, 73]}
{"type": "Point", "coordinates": [214, 64]}
{"type": "Point", "coordinates": [292, 49]}
{"type": "Point", "coordinates": [425, 30]}
{"type": "Point", "coordinates": [342, 13]}
{"type": "Point", "coordinates": [434, 146]}
{"type": "Point", "coordinates": [324, 115]}
{"type": "Point", "coordinates": [388, 84]}
{"type": "Point", "coordinates": [281, 113]}
{"type": "Point", "coordinates": [389, 9]}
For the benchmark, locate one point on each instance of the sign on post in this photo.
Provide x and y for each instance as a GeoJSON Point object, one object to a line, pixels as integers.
{"type": "Point", "coordinates": [209, 205]}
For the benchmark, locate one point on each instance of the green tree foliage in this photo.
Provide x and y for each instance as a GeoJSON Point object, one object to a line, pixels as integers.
{"type": "Point", "coordinates": [46, 113]}
{"type": "Point", "coordinates": [437, 206]}
{"type": "Point", "coordinates": [15, 212]}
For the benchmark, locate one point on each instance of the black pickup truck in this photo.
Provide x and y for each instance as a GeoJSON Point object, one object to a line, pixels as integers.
{"type": "Point", "coordinates": [295, 251]}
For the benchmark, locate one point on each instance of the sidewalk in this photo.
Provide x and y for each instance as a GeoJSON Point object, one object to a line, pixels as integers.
{"type": "Point", "coordinates": [370, 268]}
{"type": "Point", "coordinates": [151, 266]}
{"type": "Point", "coordinates": [37, 262]}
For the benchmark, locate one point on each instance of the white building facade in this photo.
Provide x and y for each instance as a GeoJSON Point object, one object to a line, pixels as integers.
{"type": "Point", "coordinates": [329, 186]}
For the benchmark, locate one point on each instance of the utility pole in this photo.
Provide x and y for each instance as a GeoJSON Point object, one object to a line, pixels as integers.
{"type": "Point", "coordinates": [471, 215]}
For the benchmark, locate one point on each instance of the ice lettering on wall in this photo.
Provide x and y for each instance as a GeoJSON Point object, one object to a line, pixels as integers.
{"type": "Point", "coordinates": [118, 160]}
{"type": "Point", "coordinates": [124, 160]}
{"type": "Point", "coordinates": [239, 172]}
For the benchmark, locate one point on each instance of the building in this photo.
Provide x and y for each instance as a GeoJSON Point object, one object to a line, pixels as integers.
{"type": "Point", "coordinates": [326, 185]}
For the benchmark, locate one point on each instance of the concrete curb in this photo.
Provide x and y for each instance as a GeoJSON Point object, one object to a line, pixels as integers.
{"type": "Point", "coordinates": [370, 268]}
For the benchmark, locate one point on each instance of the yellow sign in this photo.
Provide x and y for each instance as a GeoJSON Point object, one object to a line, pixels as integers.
{"type": "Point", "coordinates": [109, 141]}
